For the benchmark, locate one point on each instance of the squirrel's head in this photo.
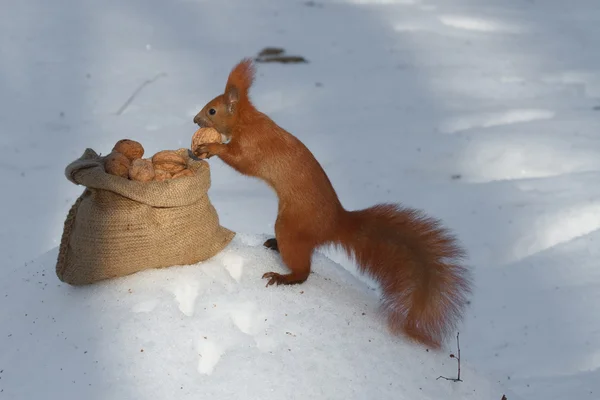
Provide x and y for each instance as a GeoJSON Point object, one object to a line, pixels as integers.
{"type": "Point", "coordinates": [220, 113]}
{"type": "Point", "coordinates": [223, 112]}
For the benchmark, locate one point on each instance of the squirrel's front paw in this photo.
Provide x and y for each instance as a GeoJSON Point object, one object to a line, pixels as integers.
{"type": "Point", "coordinates": [207, 150]}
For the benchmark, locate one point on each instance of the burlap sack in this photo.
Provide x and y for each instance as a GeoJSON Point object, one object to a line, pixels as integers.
{"type": "Point", "coordinates": [118, 227]}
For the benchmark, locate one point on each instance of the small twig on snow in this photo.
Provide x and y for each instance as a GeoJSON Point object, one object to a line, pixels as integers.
{"type": "Point", "coordinates": [457, 379]}
{"type": "Point", "coordinates": [137, 91]}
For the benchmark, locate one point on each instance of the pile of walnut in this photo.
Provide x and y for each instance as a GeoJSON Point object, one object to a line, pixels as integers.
{"type": "Point", "coordinates": [126, 161]}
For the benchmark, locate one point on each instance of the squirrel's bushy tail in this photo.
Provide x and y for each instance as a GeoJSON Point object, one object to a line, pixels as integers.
{"type": "Point", "coordinates": [418, 265]}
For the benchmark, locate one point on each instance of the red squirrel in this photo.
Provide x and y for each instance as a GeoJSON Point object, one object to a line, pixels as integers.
{"type": "Point", "coordinates": [416, 261]}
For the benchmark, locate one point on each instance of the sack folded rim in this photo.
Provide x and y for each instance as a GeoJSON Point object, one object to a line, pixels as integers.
{"type": "Point", "coordinates": [88, 170]}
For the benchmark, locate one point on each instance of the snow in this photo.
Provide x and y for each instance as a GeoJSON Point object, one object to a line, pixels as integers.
{"type": "Point", "coordinates": [213, 331]}
{"type": "Point", "coordinates": [484, 114]}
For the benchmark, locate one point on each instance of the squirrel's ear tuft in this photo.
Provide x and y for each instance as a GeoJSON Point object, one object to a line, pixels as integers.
{"type": "Point", "coordinates": [241, 77]}
{"type": "Point", "coordinates": [232, 97]}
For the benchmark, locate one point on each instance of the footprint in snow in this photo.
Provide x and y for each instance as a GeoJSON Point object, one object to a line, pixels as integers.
{"type": "Point", "coordinates": [210, 354]}
{"type": "Point", "coordinates": [251, 320]}
{"type": "Point", "coordinates": [234, 264]}
{"type": "Point", "coordinates": [248, 318]}
{"type": "Point", "coordinates": [185, 293]}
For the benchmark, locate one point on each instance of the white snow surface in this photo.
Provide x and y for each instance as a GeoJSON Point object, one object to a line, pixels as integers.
{"type": "Point", "coordinates": [485, 114]}
{"type": "Point", "coordinates": [213, 331]}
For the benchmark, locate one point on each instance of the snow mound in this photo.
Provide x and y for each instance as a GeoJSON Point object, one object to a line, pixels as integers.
{"type": "Point", "coordinates": [213, 330]}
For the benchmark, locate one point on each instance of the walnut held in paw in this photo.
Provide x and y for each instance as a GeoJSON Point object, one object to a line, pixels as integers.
{"type": "Point", "coordinates": [205, 135]}
{"type": "Point", "coordinates": [161, 175]}
{"type": "Point", "coordinates": [117, 164]}
{"type": "Point", "coordinates": [185, 172]}
{"type": "Point", "coordinates": [170, 161]}
{"type": "Point", "coordinates": [141, 170]}
{"type": "Point", "coordinates": [129, 148]}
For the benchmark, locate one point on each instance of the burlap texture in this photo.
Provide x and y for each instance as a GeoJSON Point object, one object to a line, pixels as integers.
{"type": "Point", "coordinates": [118, 227]}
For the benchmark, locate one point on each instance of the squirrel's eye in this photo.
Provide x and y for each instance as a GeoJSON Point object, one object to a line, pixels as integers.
{"type": "Point", "coordinates": [212, 111]}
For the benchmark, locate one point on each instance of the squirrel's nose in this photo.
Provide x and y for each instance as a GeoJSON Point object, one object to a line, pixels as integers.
{"type": "Point", "coordinates": [198, 120]}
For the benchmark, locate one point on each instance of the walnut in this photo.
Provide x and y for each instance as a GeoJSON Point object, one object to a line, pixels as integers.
{"type": "Point", "coordinates": [170, 161]}
{"type": "Point", "coordinates": [185, 172]}
{"type": "Point", "coordinates": [129, 148]}
{"type": "Point", "coordinates": [161, 175]}
{"type": "Point", "coordinates": [117, 164]}
{"type": "Point", "coordinates": [141, 170]}
{"type": "Point", "coordinates": [205, 135]}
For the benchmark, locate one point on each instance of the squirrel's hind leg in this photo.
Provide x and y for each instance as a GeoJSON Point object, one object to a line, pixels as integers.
{"type": "Point", "coordinates": [297, 257]}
